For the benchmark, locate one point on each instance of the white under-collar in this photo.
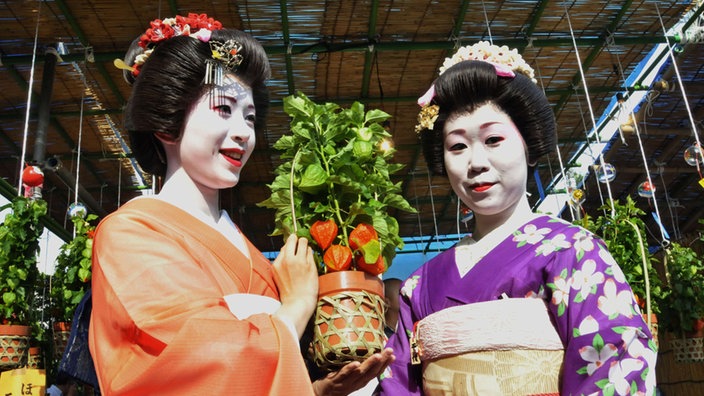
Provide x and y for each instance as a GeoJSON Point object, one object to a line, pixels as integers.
{"type": "Point", "coordinates": [468, 252]}
{"type": "Point", "coordinates": [227, 227]}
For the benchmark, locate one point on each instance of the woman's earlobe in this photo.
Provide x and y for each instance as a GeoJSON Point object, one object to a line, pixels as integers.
{"type": "Point", "coordinates": [165, 138]}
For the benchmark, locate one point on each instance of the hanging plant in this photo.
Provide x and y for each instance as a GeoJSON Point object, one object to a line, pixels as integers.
{"type": "Point", "coordinates": [72, 274]}
{"type": "Point", "coordinates": [336, 189]}
{"type": "Point", "coordinates": [19, 246]}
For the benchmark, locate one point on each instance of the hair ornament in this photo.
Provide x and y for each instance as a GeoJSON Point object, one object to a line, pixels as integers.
{"type": "Point", "coordinates": [427, 96]}
{"type": "Point", "coordinates": [198, 26]}
{"type": "Point", "coordinates": [228, 53]}
{"type": "Point", "coordinates": [507, 62]}
{"type": "Point", "coordinates": [225, 55]}
{"type": "Point", "coordinates": [427, 117]}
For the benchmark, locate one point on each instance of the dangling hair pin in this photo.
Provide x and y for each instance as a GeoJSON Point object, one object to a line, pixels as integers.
{"type": "Point", "coordinates": [225, 55]}
{"type": "Point", "coordinates": [228, 53]}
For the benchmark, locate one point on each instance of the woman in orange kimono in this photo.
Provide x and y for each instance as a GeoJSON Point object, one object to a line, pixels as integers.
{"type": "Point", "coordinates": [183, 303]}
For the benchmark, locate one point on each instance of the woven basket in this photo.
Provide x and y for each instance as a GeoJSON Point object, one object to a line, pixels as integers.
{"type": "Point", "coordinates": [13, 346]}
{"type": "Point", "coordinates": [34, 360]}
{"type": "Point", "coordinates": [349, 319]}
{"type": "Point", "coordinates": [688, 350]}
{"type": "Point", "coordinates": [62, 331]}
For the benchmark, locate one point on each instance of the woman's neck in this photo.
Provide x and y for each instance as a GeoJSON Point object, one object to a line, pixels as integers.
{"type": "Point", "coordinates": [485, 224]}
{"type": "Point", "coordinates": [179, 190]}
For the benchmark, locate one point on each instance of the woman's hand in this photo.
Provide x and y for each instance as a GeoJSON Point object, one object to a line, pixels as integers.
{"type": "Point", "coordinates": [296, 277]}
{"type": "Point", "coordinates": [354, 375]}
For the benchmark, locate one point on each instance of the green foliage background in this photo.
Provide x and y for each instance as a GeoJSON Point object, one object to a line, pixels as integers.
{"type": "Point", "coordinates": [19, 246]}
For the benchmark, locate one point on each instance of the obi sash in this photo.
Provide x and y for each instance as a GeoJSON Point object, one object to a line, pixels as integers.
{"type": "Point", "coordinates": [502, 347]}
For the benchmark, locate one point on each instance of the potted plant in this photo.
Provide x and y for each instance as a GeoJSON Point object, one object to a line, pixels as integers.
{"type": "Point", "coordinates": [335, 189]}
{"type": "Point", "coordinates": [683, 302]}
{"type": "Point", "coordinates": [71, 278]}
{"type": "Point", "coordinates": [19, 245]}
{"type": "Point", "coordinates": [623, 230]}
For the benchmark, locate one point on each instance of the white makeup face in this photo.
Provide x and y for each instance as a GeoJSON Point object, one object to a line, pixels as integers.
{"type": "Point", "coordinates": [485, 158]}
{"type": "Point", "coordinates": [218, 136]}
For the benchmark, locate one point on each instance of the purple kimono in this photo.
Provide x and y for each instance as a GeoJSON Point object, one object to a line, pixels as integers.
{"type": "Point", "coordinates": [608, 347]}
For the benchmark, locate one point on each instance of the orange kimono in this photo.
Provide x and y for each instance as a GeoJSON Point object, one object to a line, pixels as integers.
{"type": "Point", "coordinates": [160, 324]}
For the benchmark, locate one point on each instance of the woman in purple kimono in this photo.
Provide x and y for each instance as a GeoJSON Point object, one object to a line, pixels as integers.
{"type": "Point", "coordinates": [529, 304]}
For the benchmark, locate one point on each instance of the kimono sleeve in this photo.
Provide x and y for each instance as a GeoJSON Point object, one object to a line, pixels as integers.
{"type": "Point", "coordinates": [608, 347]}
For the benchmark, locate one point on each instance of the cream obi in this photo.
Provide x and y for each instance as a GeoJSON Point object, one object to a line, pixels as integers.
{"type": "Point", "coordinates": [502, 347]}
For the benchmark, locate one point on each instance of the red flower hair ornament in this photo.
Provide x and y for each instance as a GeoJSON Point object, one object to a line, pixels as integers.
{"type": "Point", "coordinates": [198, 26]}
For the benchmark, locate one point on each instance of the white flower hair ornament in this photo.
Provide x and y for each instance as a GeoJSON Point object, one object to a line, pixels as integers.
{"type": "Point", "coordinates": [507, 63]}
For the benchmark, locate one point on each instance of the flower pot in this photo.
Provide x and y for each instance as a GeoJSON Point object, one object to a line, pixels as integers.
{"type": "Point", "coordinates": [62, 330]}
{"type": "Point", "coordinates": [698, 327]}
{"type": "Point", "coordinates": [349, 318]}
{"type": "Point", "coordinates": [14, 340]}
{"type": "Point", "coordinates": [35, 357]}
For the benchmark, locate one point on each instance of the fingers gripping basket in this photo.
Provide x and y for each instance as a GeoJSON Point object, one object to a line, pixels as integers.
{"type": "Point", "coordinates": [349, 319]}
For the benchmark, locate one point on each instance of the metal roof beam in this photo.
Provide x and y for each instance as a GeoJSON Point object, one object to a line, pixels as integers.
{"type": "Point", "coordinates": [381, 46]}
{"type": "Point", "coordinates": [84, 40]}
{"type": "Point", "coordinates": [341, 101]}
{"type": "Point", "coordinates": [539, 9]}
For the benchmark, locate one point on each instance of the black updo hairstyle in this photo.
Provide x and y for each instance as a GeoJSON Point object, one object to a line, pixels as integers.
{"type": "Point", "coordinates": [468, 85]}
{"type": "Point", "coordinates": [171, 80]}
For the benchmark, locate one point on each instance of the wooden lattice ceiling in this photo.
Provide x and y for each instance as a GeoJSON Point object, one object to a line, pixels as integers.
{"type": "Point", "coordinates": [382, 53]}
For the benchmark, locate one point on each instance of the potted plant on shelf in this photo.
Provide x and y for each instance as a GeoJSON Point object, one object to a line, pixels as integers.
{"type": "Point", "coordinates": [335, 189]}
{"type": "Point", "coordinates": [71, 278]}
{"type": "Point", "coordinates": [683, 302]}
{"type": "Point", "coordinates": [623, 230]}
{"type": "Point", "coordinates": [19, 245]}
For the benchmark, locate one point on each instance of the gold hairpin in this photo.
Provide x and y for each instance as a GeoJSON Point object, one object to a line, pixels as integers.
{"type": "Point", "coordinates": [228, 53]}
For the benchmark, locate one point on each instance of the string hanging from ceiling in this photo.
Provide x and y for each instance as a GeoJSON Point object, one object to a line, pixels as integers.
{"type": "Point", "coordinates": [29, 100]}
{"type": "Point", "coordinates": [693, 155]}
{"type": "Point", "coordinates": [488, 25]}
{"type": "Point", "coordinates": [576, 195]}
{"type": "Point", "coordinates": [605, 171]}
{"type": "Point", "coordinates": [650, 186]}
{"type": "Point", "coordinates": [670, 204]}
{"type": "Point", "coordinates": [77, 208]}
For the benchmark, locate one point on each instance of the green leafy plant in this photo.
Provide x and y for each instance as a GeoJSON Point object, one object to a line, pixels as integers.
{"type": "Point", "coordinates": [19, 246]}
{"type": "Point", "coordinates": [335, 186]}
{"type": "Point", "coordinates": [623, 231]}
{"type": "Point", "coordinates": [72, 274]}
{"type": "Point", "coordinates": [683, 300]}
